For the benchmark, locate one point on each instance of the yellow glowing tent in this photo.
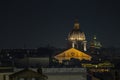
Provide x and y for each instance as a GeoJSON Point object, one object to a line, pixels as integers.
{"type": "Point", "coordinates": [72, 53]}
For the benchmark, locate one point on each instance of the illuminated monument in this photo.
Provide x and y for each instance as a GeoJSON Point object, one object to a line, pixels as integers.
{"type": "Point", "coordinates": [95, 44]}
{"type": "Point", "coordinates": [72, 53]}
{"type": "Point", "coordinates": [77, 38]}
{"type": "Point", "coordinates": [77, 44]}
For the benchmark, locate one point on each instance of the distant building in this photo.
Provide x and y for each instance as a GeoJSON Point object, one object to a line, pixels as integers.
{"type": "Point", "coordinates": [77, 38]}
{"type": "Point", "coordinates": [95, 43]}
{"type": "Point", "coordinates": [28, 74]}
{"type": "Point", "coordinates": [45, 74]}
{"type": "Point", "coordinates": [72, 53]}
{"type": "Point", "coordinates": [33, 62]}
{"type": "Point", "coordinates": [95, 49]}
{"type": "Point", "coordinates": [69, 64]}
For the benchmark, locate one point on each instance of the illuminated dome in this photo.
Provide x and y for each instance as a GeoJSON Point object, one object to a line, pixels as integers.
{"type": "Point", "coordinates": [94, 43]}
{"type": "Point", "coordinates": [76, 34]}
{"type": "Point", "coordinates": [76, 38]}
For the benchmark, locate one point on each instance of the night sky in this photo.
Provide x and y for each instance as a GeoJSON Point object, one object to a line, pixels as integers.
{"type": "Point", "coordinates": [36, 23]}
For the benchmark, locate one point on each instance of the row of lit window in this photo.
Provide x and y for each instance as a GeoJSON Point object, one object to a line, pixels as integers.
{"type": "Point", "coordinates": [99, 65]}
{"type": "Point", "coordinates": [100, 70]}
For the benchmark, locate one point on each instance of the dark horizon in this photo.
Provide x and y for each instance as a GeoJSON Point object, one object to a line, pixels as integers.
{"type": "Point", "coordinates": [38, 23]}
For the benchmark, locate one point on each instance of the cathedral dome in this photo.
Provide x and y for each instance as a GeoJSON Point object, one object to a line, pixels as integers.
{"type": "Point", "coordinates": [76, 34]}
{"type": "Point", "coordinates": [94, 43]}
{"type": "Point", "coordinates": [76, 38]}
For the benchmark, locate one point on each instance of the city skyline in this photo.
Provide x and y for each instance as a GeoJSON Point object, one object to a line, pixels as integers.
{"type": "Point", "coordinates": [38, 23]}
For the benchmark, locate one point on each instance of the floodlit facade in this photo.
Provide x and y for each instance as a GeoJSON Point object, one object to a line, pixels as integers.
{"type": "Point", "coordinates": [72, 53]}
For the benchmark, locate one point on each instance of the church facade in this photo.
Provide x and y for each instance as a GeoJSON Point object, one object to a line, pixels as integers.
{"type": "Point", "coordinates": [72, 53]}
{"type": "Point", "coordinates": [77, 46]}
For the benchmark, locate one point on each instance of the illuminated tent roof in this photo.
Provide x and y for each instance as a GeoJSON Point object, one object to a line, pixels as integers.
{"type": "Point", "coordinates": [72, 53]}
